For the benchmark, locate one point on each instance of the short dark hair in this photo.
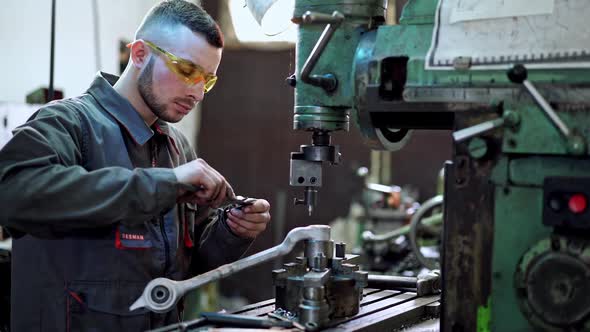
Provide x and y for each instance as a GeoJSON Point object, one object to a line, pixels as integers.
{"type": "Point", "coordinates": [180, 12]}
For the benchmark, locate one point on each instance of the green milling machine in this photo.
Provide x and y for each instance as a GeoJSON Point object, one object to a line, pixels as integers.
{"type": "Point", "coordinates": [515, 91]}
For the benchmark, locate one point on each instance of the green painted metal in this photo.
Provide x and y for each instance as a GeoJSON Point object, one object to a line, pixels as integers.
{"type": "Point", "coordinates": [484, 317]}
{"type": "Point", "coordinates": [528, 134]}
{"type": "Point", "coordinates": [418, 12]}
{"type": "Point", "coordinates": [532, 148]}
{"type": "Point", "coordinates": [418, 76]}
{"type": "Point", "coordinates": [537, 135]}
{"type": "Point", "coordinates": [533, 171]}
{"type": "Point", "coordinates": [518, 224]}
{"type": "Point", "coordinates": [337, 59]}
{"type": "Point", "coordinates": [478, 148]}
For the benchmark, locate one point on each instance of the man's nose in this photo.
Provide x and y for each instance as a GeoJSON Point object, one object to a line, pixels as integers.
{"type": "Point", "coordinates": [197, 91]}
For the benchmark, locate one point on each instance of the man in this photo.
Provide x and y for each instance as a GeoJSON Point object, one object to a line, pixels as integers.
{"type": "Point", "coordinates": [103, 196]}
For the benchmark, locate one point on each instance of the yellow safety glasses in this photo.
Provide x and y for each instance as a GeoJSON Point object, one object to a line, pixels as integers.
{"type": "Point", "coordinates": [186, 70]}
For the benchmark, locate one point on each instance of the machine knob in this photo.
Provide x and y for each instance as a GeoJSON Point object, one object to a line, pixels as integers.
{"type": "Point", "coordinates": [517, 74]}
{"type": "Point", "coordinates": [577, 203]}
{"type": "Point", "coordinates": [292, 80]}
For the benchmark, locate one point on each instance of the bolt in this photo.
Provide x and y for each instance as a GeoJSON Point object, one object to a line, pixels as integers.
{"type": "Point", "coordinates": [292, 80]}
{"type": "Point", "coordinates": [478, 148]}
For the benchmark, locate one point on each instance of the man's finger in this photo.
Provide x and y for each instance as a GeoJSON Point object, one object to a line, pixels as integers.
{"type": "Point", "coordinates": [260, 205]}
{"type": "Point", "coordinates": [207, 185]}
{"type": "Point", "coordinates": [238, 229]}
{"type": "Point", "coordinates": [244, 224]}
{"type": "Point", "coordinates": [257, 218]}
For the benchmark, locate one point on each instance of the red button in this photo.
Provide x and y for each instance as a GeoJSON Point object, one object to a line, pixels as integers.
{"type": "Point", "coordinates": [577, 203]}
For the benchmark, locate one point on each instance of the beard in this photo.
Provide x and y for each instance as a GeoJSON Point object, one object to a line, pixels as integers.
{"type": "Point", "coordinates": [146, 91]}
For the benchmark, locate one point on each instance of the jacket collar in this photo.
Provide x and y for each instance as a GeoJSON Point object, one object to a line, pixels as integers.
{"type": "Point", "coordinates": [120, 108]}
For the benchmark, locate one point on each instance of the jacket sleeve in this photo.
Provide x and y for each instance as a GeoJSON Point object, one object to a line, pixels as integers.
{"type": "Point", "coordinates": [215, 243]}
{"type": "Point", "coordinates": [45, 189]}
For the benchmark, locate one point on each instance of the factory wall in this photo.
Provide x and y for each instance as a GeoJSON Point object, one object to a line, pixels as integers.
{"type": "Point", "coordinates": [25, 39]}
{"type": "Point", "coordinates": [25, 32]}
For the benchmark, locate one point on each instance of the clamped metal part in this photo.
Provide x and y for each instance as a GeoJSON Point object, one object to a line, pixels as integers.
{"type": "Point", "coordinates": [161, 294]}
{"type": "Point", "coordinates": [328, 81]}
{"type": "Point", "coordinates": [322, 285]}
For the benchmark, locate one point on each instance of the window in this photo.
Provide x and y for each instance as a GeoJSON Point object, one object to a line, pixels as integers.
{"type": "Point", "coordinates": [247, 29]}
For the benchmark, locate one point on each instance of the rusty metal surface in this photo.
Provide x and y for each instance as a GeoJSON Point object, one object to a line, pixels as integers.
{"type": "Point", "coordinates": [468, 230]}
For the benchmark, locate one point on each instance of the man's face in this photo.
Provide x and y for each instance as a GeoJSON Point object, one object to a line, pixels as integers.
{"type": "Point", "coordinates": [163, 91]}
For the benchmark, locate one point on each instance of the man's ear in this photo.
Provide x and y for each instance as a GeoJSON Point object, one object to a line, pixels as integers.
{"type": "Point", "coordinates": [140, 53]}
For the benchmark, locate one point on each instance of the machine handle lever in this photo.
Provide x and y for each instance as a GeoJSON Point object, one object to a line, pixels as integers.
{"type": "Point", "coordinates": [576, 144]}
{"type": "Point", "coordinates": [509, 119]}
{"type": "Point", "coordinates": [469, 132]}
{"type": "Point", "coordinates": [518, 74]}
{"type": "Point", "coordinates": [327, 81]}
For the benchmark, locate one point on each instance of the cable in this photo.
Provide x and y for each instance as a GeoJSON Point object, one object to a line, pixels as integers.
{"type": "Point", "coordinates": [50, 93]}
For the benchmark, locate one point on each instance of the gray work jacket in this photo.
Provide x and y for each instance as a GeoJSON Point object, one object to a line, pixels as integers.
{"type": "Point", "coordinates": [92, 229]}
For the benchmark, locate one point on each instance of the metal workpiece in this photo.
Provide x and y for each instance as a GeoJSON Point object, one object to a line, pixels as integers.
{"type": "Point", "coordinates": [316, 278]}
{"type": "Point", "coordinates": [314, 310]}
{"type": "Point", "coordinates": [313, 249]}
{"type": "Point", "coordinates": [161, 294]}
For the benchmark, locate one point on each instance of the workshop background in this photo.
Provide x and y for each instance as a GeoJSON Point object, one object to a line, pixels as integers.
{"type": "Point", "coordinates": [243, 128]}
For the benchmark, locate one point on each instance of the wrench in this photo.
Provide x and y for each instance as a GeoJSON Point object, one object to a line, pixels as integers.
{"type": "Point", "coordinates": [161, 294]}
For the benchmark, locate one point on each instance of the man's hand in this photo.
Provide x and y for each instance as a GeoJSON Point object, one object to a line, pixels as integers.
{"type": "Point", "coordinates": [212, 187]}
{"type": "Point", "coordinates": [251, 220]}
